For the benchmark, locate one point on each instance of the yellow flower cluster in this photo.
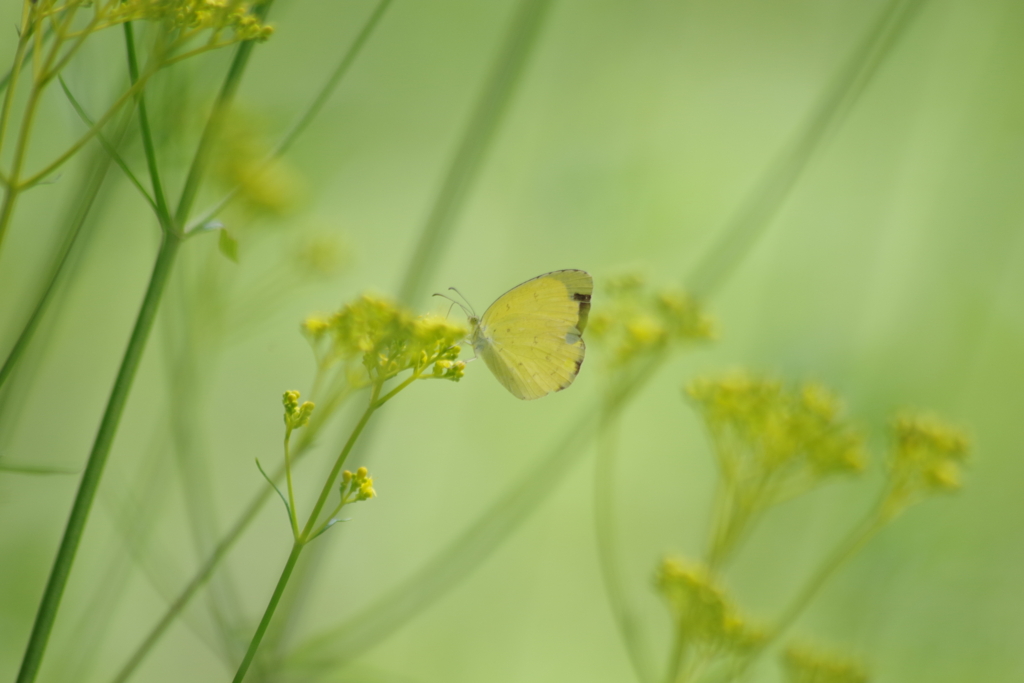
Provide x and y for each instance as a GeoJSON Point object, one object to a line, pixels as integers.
{"type": "Point", "coordinates": [388, 340]}
{"type": "Point", "coordinates": [636, 320]}
{"type": "Point", "coordinates": [927, 457]}
{"type": "Point", "coordinates": [762, 428]}
{"type": "Point", "coordinates": [702, 612]}
{"type": "Point", "coordinates": [356, 487]}
{"type": "Point", "coordinates": [296, 415]}
{"type": "Point", "coordinates": [805, 665]}
{"type": "Point", "coordinates": [195, 15]}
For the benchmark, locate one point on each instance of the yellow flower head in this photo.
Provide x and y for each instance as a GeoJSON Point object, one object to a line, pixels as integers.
{"type": "Point", "coordinates": [388, 339]}
{"type": "Point", "coordinates": [701, 609]}
{"type": "Point", "coordinates": [927, 456]}
{"type": "Point", "coordinates": [766, 429]}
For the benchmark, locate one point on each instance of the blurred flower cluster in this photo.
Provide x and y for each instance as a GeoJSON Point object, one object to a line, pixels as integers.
{"type": "Point", "coordinates": [387, 340]}
{"type": "Point", "coordinates": [806, 665]}
{"type": "Point", "coordinates": [190, 16]}
{"type": "Point", "coordinates": [772, 442]}
{"type": "Point", "coordinates": [704, 615]}
{"type": "Point", "coordinates": [636, 321]}
{"type": "Point", "coordinates": [927, 456]}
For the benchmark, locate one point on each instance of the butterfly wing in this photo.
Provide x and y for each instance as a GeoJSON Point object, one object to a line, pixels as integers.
{"type": "Point", "coordinates": [531, 336]}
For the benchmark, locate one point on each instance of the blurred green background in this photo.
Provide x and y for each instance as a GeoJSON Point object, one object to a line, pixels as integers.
{"type": "Point", "coordinates": [891, 271]}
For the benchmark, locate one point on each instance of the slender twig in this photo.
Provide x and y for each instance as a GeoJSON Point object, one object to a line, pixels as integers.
{"type": "Point", "coordinates": [310, 531]}
{"type": "Point", "coordinates": [162, 211]}
{"type": "Point", "coordinates": [84, 205]}
{"type": "Point", "coordinates": [607, 545]}
{"type": "Point", "coordinates": [759, 208]}
{"type": "Point", "coordinates": [307, 117]}
{"type": "Point", "coordinates": [476, 140]}
{"type": "Point", "coordinates": [106, 144]}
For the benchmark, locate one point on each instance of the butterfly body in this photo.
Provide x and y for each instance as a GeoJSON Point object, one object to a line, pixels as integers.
{"type": "Point", "coordinates": [531, 336]}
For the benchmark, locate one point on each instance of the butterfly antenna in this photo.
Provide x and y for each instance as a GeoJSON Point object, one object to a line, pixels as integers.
{"type": "Point", "coordinates": [454, 303]}
{"type": "Point", "coordinates": [464, 299]}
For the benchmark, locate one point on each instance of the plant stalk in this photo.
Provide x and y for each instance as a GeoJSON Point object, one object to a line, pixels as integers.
{"type": "Point", "coordinates": [268, 614]}
{"type": "Point", "coordinates": [47, 612]}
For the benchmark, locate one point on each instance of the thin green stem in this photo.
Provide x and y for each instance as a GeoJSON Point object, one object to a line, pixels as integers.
{"type": "Point", "coordinates": [676, 657]}
{"type": "Point", "coordinates": [860, 535]}
{"type": "Point", "coordinates": [162, 211]}
{"type": "Point", "coordinates": [759, 208]}
{"type": "Point", "coordinates": [268, 614]}
{"type": "Point", "coordinates": [83, 206]}
{"type": "Point", "coordinates": [203, 575]}
{"type": "Point", "coordinates": [47, 612]}
{"type": "Point", "coordinates": [106, 144]}
{"type": "Point", "coordinates": [224, 98]}
{"type": "Point", "coordinates": [292, 510]}
{"type": "Point", "coordinates": [607, 547]}
{"type": "Point", "coordinates": [128, 94]}
{"type": "Point", "coordinates": [311, 112]}
{"type": "Point", "coordinates": [15, 73]}
{"type": "Point", "coordinates": [336, 470]}
{"type": "Point", "coordinates": [473, 147]}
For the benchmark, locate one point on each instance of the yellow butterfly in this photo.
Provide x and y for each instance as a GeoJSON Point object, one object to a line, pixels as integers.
{"type": "Point", "coordinates": [531, 336]}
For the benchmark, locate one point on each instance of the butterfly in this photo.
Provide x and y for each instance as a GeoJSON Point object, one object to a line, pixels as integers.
{"type": "Point", "coordinates": [531, 337]}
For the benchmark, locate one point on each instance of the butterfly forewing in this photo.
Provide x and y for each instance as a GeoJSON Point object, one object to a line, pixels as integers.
{"type": "Point", "coordinates": [532, 333]}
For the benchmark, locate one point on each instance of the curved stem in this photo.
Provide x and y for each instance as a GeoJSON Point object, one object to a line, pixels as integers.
{"type": "Point", "coordinates": [304, 120]}
{"type": "Point", "coordinates": [473, 146]}
{"type": "Point", "coordinates": [336, 470]}
{"type": "Point", "coordinates": [47, 612]}
{"type": "Point", "coordinates": [607, 548]}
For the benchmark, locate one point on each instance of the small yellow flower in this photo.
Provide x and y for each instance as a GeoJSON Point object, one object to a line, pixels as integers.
{"type": "Point", "coordinates": [356, 487]}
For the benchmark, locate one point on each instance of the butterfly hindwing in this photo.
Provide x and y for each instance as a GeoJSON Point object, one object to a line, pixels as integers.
{"type": "Point", "coordinates": [532, 333]}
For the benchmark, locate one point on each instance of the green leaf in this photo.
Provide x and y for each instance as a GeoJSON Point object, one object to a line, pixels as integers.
{"type": "Point", "coordinates": [228, 245]}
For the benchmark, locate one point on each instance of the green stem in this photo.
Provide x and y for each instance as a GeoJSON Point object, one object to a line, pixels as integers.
{"type": "Point", "coordinates": [84, 205]}
{"type": "Point", "coordinates": [293, 512]}
{"type": "Point", "coordinates": [308, 533]}
{"type": "Point", "coordinates": [756, 212]}
{"type": "Point", "coordinates": [336, 470]}
{"type": "Point", "coordinates": [108, 427]}
{"type": "Point", "coordinates": [198, 581]}
{"type": "Point", "coordinates": [604, 525]}
{"type": "Point", "coordinates": [473, 146]}
{"type": "Point", "coordinates": [224, 98]}
{"type": "Point", "coordinates": [675, 660]}
{"type": "Point", "coordinates": [268, 614]}
{"type": "Point", "coordinates": [19, 63]}
{"type": "Point", "coordinates": [860, 535]}
{"type": "Point", "coordinates": [314, 108]}
{"type": "Point", "coordinates": [162, 211]}
{"type": "Point", "coordinates": [97, 459]}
